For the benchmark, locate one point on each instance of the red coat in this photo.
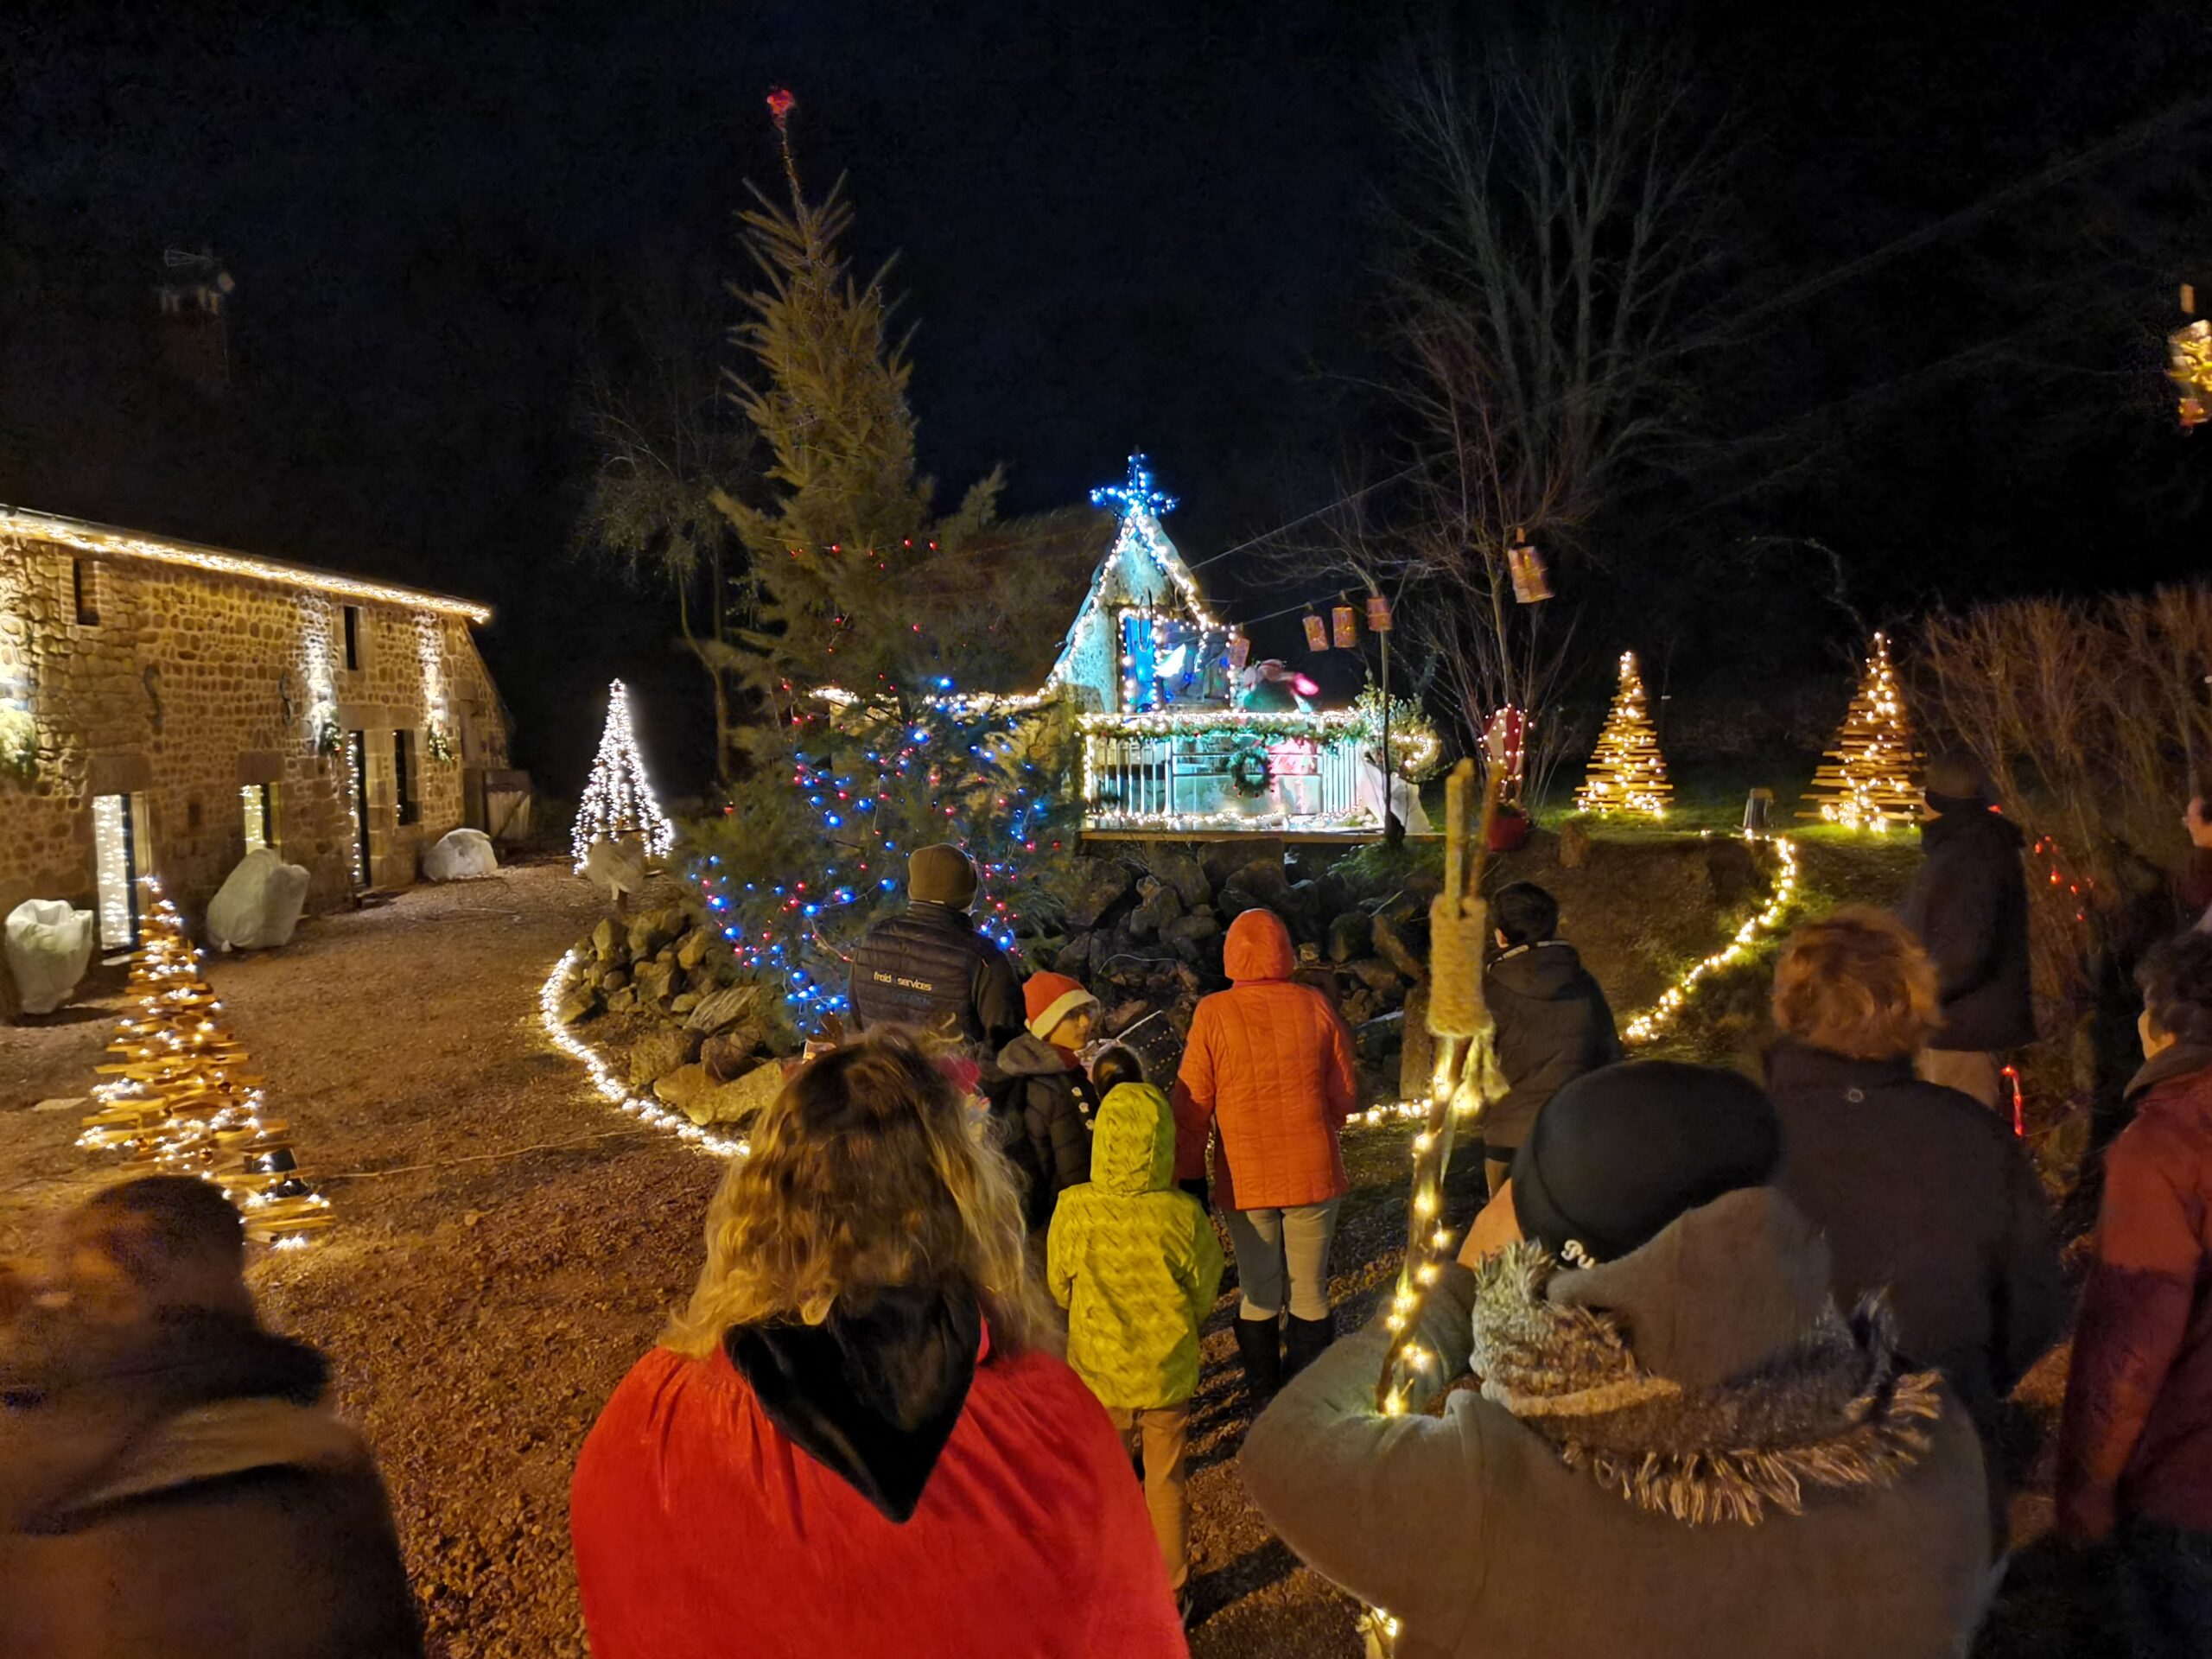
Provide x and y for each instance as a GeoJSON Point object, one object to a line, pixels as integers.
{"type": "Point", "coordinates": [1271, 1062]}
{"type": "Point", "coordinates": [702, 1532]}
{"type": "Point", "coordinates": [2135, 1440]}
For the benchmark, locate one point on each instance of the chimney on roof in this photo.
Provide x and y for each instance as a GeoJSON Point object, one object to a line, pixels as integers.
{"type": "Point", "coordinates": [194, 296]}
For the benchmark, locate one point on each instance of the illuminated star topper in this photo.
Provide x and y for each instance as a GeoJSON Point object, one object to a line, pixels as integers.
{"type": "Point", "coordinates": [1137, 492]}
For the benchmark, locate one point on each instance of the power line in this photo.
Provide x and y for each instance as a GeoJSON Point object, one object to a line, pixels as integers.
{"type": "Point", "coordinates": [1812, 288]}
{"type": "Point", "coordinates": [1342, 500]}
{"type": "Point", "coordinates": [1895, 382]}
{"type": "Point", "coordinates": [2126, 139]}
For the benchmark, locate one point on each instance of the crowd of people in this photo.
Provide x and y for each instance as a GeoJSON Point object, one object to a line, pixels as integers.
{"type": "Point", "coordinates": [1741, 1353]}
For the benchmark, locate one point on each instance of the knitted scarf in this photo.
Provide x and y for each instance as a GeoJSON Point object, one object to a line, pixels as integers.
{"type": "Point", "coordinates": [1828, 1411]}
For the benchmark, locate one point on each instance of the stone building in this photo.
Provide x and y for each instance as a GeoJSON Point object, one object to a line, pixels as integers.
{"type": "Point", "coordinates": [165, 706]}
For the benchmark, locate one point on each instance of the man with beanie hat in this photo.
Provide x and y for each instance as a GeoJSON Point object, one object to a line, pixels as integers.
{"type": "Point", "coordinates": [1046, 1084]}
{"type": "Point", "coordinates": [1969, 907]}
{"type": "Point", "coordinates": [931, 968]}
{"type": "Point", "coordinates": [1670, 1406]}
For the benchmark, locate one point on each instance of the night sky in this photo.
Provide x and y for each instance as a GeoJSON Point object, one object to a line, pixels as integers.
{"type": "Point", "coordinates": [1118, 226]}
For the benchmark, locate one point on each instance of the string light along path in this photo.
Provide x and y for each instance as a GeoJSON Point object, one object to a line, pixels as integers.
{"type": "Point", "coordinates": [611, 1087]}
{"type": "Point", "coordinates": [1648, 1025]}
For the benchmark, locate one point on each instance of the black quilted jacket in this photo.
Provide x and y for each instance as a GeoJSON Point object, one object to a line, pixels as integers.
{"type": "Point", "coordinates": [929, 967]}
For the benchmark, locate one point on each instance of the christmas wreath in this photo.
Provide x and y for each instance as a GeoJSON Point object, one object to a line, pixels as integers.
{"type": "Point", "coordinates": [1249, 771]}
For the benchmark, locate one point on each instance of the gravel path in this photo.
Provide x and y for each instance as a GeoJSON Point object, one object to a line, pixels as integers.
{"type": "Point", "coordinates": [486, 1286]}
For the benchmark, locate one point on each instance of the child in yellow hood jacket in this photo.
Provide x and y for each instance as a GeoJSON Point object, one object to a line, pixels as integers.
{"type": "Point", "coordinates": [1136, 1264]}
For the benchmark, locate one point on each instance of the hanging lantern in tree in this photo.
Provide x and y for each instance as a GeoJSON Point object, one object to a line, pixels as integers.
{"type": "Point", "coordinates": [1526, 566]}
{"type": "Point", "coordinates": [1379, 614]}
{"type": "Point", "coordinates": [1240, 652]}
{"type": "Point", "coordinates": [1344, 623]}
{"type": "Point", "coordinates": [2188, 361]}
{"type": "Point", "coordinates": [1317, 633]}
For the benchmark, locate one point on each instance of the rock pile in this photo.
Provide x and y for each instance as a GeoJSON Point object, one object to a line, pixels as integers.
{"type": "Point", "coordinates": [701, 1044]}
{"type": "Point", "coordinates": [1147, 929]}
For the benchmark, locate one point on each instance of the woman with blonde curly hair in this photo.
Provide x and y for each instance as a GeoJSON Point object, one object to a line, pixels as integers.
{"type": "Point", "coordinates": [857, 1436]}
{"type": "Point", "coordinates": [1921, 1191]}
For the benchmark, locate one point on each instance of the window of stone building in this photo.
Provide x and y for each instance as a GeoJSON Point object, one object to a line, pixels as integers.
{"type": "Point", "coordinates": [353, 638]}
{"type": "Point", "coordinates": [259, 804]}
{"type": "Point", "coordinates": [406, 776]}
{"type": "Point", "coordinates": [122, 852]}
{"type": "Point", "coordinates": [85, 579]}
{"type": "Point", "coordinates": [357, 802]}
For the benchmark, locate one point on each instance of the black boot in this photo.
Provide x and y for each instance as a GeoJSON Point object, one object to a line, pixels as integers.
{"type": "Point", "coordinates": [1306, 1340]}
{"type": "Point", "coordinates": [1258, 1344]}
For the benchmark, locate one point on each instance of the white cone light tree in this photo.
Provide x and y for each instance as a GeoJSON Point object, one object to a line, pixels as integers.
{"type": "Point", "coordinates": [619, 803]}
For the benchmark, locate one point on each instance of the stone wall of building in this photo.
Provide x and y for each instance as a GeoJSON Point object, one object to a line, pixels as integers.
{"type": "Point", "coordinates": [183, 686]}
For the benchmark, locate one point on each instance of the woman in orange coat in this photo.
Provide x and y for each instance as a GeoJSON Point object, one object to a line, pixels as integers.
{"type": "Point", "coordinates": [1269, 1062]}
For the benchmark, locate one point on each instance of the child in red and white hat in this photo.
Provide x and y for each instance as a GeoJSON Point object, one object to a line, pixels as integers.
{"type": "Point", "coordinates": [1048, 1092]}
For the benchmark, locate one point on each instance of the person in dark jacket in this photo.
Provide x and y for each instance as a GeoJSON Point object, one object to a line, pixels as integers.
{"type": "Point", "coordinates": [1046, 1095]}
{"type": "Point", "coordinates": [932, 968]}
{"type": "Point", "coordinates": [1968, 906]}
{"type": "Point", "coordinates": [1553, 1020]}
{"type": "Point", "coordinates": [1681, 1447]}
{"type": "Point", "coordinates": [2135, 1440]}
{"type": "Point", "coordinates": [1920, 1191]}
{"type": "Point", "coordinates": [169, 1484]}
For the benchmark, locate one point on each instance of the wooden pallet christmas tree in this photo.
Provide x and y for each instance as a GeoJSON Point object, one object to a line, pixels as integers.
{"type": "Point", "coordinates": [178, 1099]}
{"type": "Point", "coordinates": [1871, 778]}
{"type": "Point", "coordinates": [1627, 773]}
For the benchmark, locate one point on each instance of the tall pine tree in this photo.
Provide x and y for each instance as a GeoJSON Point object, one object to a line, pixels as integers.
{"type": "Point", "coordinates": [844, 543]}
{"type": "Point", "coordinates": [875, 618]}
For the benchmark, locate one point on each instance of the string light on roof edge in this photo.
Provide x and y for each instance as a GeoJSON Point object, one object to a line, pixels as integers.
{"type": "Point", "coordinates": [180, 1102]}
{"type": "Point", "coordinates": [1870, 778]}
{"type": "Point", "coordinates": [618, 800]}
{"type": "Point", "coordinates": [102, 541]}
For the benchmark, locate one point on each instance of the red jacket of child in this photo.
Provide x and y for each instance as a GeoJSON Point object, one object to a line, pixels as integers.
{"type": "Point", "coordinates": [2135, 1440]}
{"type": "Point", "coordinates": [1271, 1062]}
{"type": "Point", "coordinates": [701, 1531]}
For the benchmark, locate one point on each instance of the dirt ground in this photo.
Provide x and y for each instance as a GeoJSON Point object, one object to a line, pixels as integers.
{"type": "Point", "coordinates": [507, 1246]}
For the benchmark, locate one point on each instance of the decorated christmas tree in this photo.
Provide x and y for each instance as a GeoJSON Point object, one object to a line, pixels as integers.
{"type": "Point", "coordinates": [876, 618]}
{"type": "Point", "coordinates": [181, 1101]}
{"type": "Point", "coordinates": [1871, 778]}
{"type": "Point", "coordinates": [618, 801]}
{"type": "Point", "coordinates": [1627, 773]}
